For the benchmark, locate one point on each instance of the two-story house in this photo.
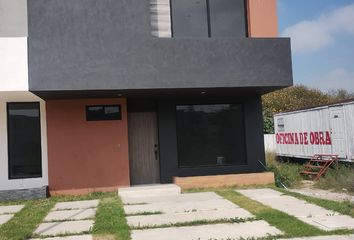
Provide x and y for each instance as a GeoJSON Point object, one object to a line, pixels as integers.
{"type": "Point", "coordinates": [135, 91]}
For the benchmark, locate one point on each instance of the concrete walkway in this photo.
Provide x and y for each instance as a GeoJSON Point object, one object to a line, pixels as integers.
{"type": "Point", "coordinates": [67, 218]}
{"type": "Point", "coordinates": [334, 237]}
{"type": "Point", "coordinates": [309, 213]}
{"type": "Point", "coordinates": [160, 207]}
{"type": "Point", "coordinates": [324, 194]}
{"type": "Point", "coordinates": [7, 212]}
{"type": "Point", "coordinates": [206, 232]}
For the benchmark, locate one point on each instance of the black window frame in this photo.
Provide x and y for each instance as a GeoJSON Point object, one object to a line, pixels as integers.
{"type": "Point", "coordinates": [247, 33]}
{"type": "Point", "coordinates": [10, 177]}
{"type": "Point", "coordinates": [107, 118]}
{"type": "Point", "coordinates": [179, 166]}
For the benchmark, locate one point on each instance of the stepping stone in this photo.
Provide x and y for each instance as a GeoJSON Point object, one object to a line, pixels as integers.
{"type": "Point", "coordinates": [77, 237]}
{"type": "Point", "coordinates": [180, 207]}
{"type": "Point", "coordinates": [5, 218]}
{"type": "Point", "coordinates": [333, 237]}
{"type": "Point", "coordinates": [11, 209]}
{"type": "Point", "coordinates": [310, 213]}
{"type": "Point", "coordinates": [70, 227]}
{"type": "Point", "coordinates": [203, 196]}
{"type": "Point", "coordinates": [254, 229]}
{"type": "Point", "coordinates": [149, 191]}
{"type": "Point", "coordinates": [76, 205]}
{"type": "Point", "coordinates": [329, 223]}
{"type": "Point", "coordinates": [172, 218]}
{"type": "Point", "coordinates": [79, 214]}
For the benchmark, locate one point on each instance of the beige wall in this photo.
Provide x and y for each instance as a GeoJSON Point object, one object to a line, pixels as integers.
{"type": "Point", "coordinates": [262, 18]}
{"type": "Point", "coordinates": [13, 18]}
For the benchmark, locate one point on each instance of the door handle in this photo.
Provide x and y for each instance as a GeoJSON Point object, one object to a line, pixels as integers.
{"type": "Point", "coordinates": [156, 151]}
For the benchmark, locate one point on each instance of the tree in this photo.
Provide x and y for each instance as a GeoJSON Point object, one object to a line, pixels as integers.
{"type": "Point", "coordinates": [290, 99]}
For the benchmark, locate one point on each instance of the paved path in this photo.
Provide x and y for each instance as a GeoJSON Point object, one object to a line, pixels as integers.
{"type": "Point", "coordinates": [312, 214]}
{"type": "Point", "coordinates": [334, 237]}
{"type": "Point", "coordinates": [174, 207]}
{"type": "Point", "coordinates": [7, 212]}
{"type": "Point", "coordinates": [324, 194]}
{"type": "Point", "coordinates": [69, 218]}
{"type": "Point", "coordinates": [80, 237]}
{"type": "Point", "coordinates": [206, 232]}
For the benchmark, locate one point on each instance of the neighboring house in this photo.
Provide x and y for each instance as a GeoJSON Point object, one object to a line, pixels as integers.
{"type": "Point", "coordinates": [135, 91]}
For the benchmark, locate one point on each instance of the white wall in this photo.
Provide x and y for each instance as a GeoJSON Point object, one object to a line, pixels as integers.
{"type": "Point", "coordinates": [13, 64]}
{"type": "Point", "coordinates": [269, 143]}
{"type": "Point", "coordinates": [5, 183]}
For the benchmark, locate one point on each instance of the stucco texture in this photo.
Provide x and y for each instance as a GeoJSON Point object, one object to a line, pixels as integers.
{"type": "Point", "coordinates": [262, 18]}
{"type": "Point", "coordinates": [86, 154]}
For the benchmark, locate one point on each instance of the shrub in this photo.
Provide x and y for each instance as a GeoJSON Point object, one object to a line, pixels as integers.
{"type": "Point", "coordinates": [286, 173]}
{"type": "Point", "coordinates": [337, 180]}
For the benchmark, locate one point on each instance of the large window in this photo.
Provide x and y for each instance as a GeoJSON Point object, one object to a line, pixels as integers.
{"type": "Point", "coordinates": [210, 135]}
{"type": "Point", "coordinates": [208, 18]}
{"type": "Point", "coordinates": [24, 140]}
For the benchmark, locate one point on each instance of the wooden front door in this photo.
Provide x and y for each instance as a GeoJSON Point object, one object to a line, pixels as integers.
{"type": "Point", "coordinates": [143, 148]}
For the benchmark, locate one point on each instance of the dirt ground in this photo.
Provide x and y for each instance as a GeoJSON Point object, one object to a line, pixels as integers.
{"type": "Point", "coordinates": [309, 190]}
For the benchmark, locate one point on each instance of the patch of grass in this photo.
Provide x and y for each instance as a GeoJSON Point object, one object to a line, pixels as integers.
{"type": "Point", "coordinates": [285, 172]}
{"type": "Point", "coordinates": [195, 223]}
{"type": "Point", "coordinates": [25, 222]}
{"type": "Point", "coordinates": [337, 180]}
{"type": "Point", "coordinates": [143, 214]}
{"type": "Point", "coordinates": [110, 220]}
{"type": "Point", "coordinates": [289, 225]}
{"type": "Point", "coordinates": [22, 225]}
{"type": "Point", "coordinates": [346, 208]}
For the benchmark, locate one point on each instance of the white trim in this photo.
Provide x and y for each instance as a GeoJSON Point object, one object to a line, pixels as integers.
{"type": "Point", "coordinates": [5, 183]}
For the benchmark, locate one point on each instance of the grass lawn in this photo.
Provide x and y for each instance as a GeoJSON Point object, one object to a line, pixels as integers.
{"type": "Point", "coordinates": [291, 226]}
{"type": "Point", "coordinates": [110, 222]}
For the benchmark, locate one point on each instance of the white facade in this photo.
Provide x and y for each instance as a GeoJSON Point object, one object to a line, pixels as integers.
{"type": "Point", "coordinates": [269, 143]}
{"type": "Point", "coordinates": [14, 88]}
{"type": "Point", "coordinates": [5, 183]}
{"type": "Point", "coordinates": [160, 12]}
{"type": "Point", "coordinates": [322, 130]}
{"type": "Point", "coordinates": [13, 64]}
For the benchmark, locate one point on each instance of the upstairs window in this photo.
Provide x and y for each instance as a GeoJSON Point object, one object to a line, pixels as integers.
{"type": "Point", "coordinates": [208, 18]}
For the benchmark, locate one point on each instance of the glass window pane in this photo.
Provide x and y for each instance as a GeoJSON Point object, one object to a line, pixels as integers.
{"type": "Point", "coordinates": [210, 135]}
{"type": "Point", "coordinates": [189, 18]}
{"type": "Point", "coordinates": [227, 18]}
{"type": "Point", "coordinates": [103, 112]}
{"type": "Point", "coordinates": [24, 140]}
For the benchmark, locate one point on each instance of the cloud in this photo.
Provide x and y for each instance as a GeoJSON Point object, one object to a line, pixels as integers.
{"type": "Point", "coordinates": [311, 36]}
{"type": "Point", "coordinates": [339, 78]}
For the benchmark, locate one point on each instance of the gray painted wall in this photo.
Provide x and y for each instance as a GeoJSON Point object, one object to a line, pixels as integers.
{"type": "Point", "coordinates": [107, 44]}
{"type": "Point", "coordinates": [13, 18]}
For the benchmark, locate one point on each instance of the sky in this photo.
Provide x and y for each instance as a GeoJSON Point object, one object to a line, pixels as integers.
{"type": "Point", "coordinates": [322, 41]}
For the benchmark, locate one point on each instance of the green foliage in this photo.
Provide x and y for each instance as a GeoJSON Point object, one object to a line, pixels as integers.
{"type": "Point", "coordinates": [289, 225]}
{"type": "Point", "coordinates": [268, 122]}
{"type": "Point", "coordinates": [286, 173]}
{"type": "Point", "coordinates": [290, 99]}
{"type": "Point", "coordinates": [337, 180]}
{"type": "Point", "coordinates": [22, 225]}
{"type": "Point", "coordinates": [110, 220]}
{"type": "Point", "coordinates": [297, 97]}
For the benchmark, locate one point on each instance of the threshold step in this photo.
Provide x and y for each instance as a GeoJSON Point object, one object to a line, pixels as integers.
{"type": "Point", "coordinates": [141, 191]}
